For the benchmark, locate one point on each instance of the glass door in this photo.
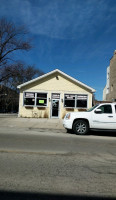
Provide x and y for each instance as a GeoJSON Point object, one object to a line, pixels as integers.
{"type": "Point", "coordinates": [55, 105]}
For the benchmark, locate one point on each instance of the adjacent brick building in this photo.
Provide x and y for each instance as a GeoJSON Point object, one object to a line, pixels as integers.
{"type": "Point", "coordinates": [109, 93]}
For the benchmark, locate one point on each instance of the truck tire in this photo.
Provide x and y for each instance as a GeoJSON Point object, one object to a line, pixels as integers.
{"type": "Point", "coordinates": [80, 127]}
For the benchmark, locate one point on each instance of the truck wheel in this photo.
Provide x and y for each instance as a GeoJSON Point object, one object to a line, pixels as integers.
{"type": "Point", "coordinates": [80, 127]}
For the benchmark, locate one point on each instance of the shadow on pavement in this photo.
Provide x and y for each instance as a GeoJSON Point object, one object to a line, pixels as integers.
{"type": "Point", "coordinates": [97, 133]}
{"type": "Point", "coordinates": [7, 195]}
{"type": "Point", "coordinates": [102, 133]}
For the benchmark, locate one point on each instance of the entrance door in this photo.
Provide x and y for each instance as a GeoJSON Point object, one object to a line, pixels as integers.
{"type": "Point", "coordinates": [55, 105]}
{"type": "Point", "coordinates": [55, 108]}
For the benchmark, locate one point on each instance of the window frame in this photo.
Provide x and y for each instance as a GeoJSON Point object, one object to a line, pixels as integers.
{"type": "Point", "coordinates": [86, 100]}
{"type": "Point", "coordinates": [24, 97]}
{"type": "Point", "coordinates": [71, 100]}
{"type": "Point", "coordinates": [76, 95]}
{"type": "Point", "coordinates": [42, 98]}
{"type": "Point", "coordinates": [35, 97]}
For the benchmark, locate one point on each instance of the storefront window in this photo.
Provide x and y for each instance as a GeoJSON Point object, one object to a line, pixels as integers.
{"type": "Point", "coordinates": [69, 100]}
{"type": "Point", "coordinates": [75, 101]}
{"type": "Point", "coordinates": [35, 99]}
{"type": "Point", "coordinates": [81, 101]}
{"type": "Point", "coordinates": [41, 99]}
{"type": "Point", "coordinates": [29, 99]}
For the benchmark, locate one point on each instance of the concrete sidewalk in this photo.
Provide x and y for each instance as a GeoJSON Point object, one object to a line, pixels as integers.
{"type": "Point", "coordinates": [14, 121]}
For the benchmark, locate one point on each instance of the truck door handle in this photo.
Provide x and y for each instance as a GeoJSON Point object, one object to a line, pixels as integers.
{"type": "Point", "coordinates": [110, 116]}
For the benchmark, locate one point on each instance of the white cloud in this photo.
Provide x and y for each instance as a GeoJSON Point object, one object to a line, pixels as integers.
{"type": "Point", "coordinates": [67, 19]}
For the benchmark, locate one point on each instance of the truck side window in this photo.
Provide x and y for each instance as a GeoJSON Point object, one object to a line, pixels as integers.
{"type": "Point", "coordinates": [106, 109]}
{"type": "Point", "coordinates": [115, 108]}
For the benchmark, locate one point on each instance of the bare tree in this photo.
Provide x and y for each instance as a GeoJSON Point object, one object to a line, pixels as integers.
{"type": "Point", "coordinates": [12, 38]}
{"type": "Point", "coordinates": [13, 76]}
{"type": "Point", "coordinates": [12, 73]}
{"type": "Point", "coordinates": [18, 74]}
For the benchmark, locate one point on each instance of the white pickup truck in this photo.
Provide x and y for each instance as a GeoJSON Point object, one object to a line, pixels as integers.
{"type": "Point", "coordinates": [99, 117]}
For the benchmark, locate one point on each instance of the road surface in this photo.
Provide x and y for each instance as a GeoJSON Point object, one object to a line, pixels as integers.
{"type": "Point", "coordinates": [51, 164]}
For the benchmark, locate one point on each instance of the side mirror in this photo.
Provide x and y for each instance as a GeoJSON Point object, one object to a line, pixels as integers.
{"type": "Point", "coordinates": [98, 111]}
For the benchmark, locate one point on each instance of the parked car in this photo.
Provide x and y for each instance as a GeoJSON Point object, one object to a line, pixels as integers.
{"type": "Point", "coordinates": [99, 117]}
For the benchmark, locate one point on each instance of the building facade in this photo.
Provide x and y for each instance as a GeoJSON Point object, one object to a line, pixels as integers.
{"type": "Point", "coordinates": [109, 92]}
{"type": "Point", "coordinates": [53, 95]}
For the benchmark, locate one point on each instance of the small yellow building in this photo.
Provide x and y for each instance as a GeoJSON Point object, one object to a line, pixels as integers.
{"type": "Point", "coordinates": [53, 95]}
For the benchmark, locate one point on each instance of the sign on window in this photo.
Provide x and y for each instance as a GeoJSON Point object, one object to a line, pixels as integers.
{"type": "Point", "coordinates": [41, 101]}
{"type": "Point", "coordinates": [55, 96]}
{"type": "Point", "coordinates": [28, 95]}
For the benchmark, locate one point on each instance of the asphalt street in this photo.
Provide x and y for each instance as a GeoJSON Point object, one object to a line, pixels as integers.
{"type": "Point", "coordinates": [54, 141]}
{"type": "Point", "coordinates": [52, 164]}
{"type": "Point", "coordinates": [39, 160]}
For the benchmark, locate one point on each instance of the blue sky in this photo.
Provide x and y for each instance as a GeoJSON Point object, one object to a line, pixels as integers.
{"type": "Point", "coordinates": [75, 36]}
